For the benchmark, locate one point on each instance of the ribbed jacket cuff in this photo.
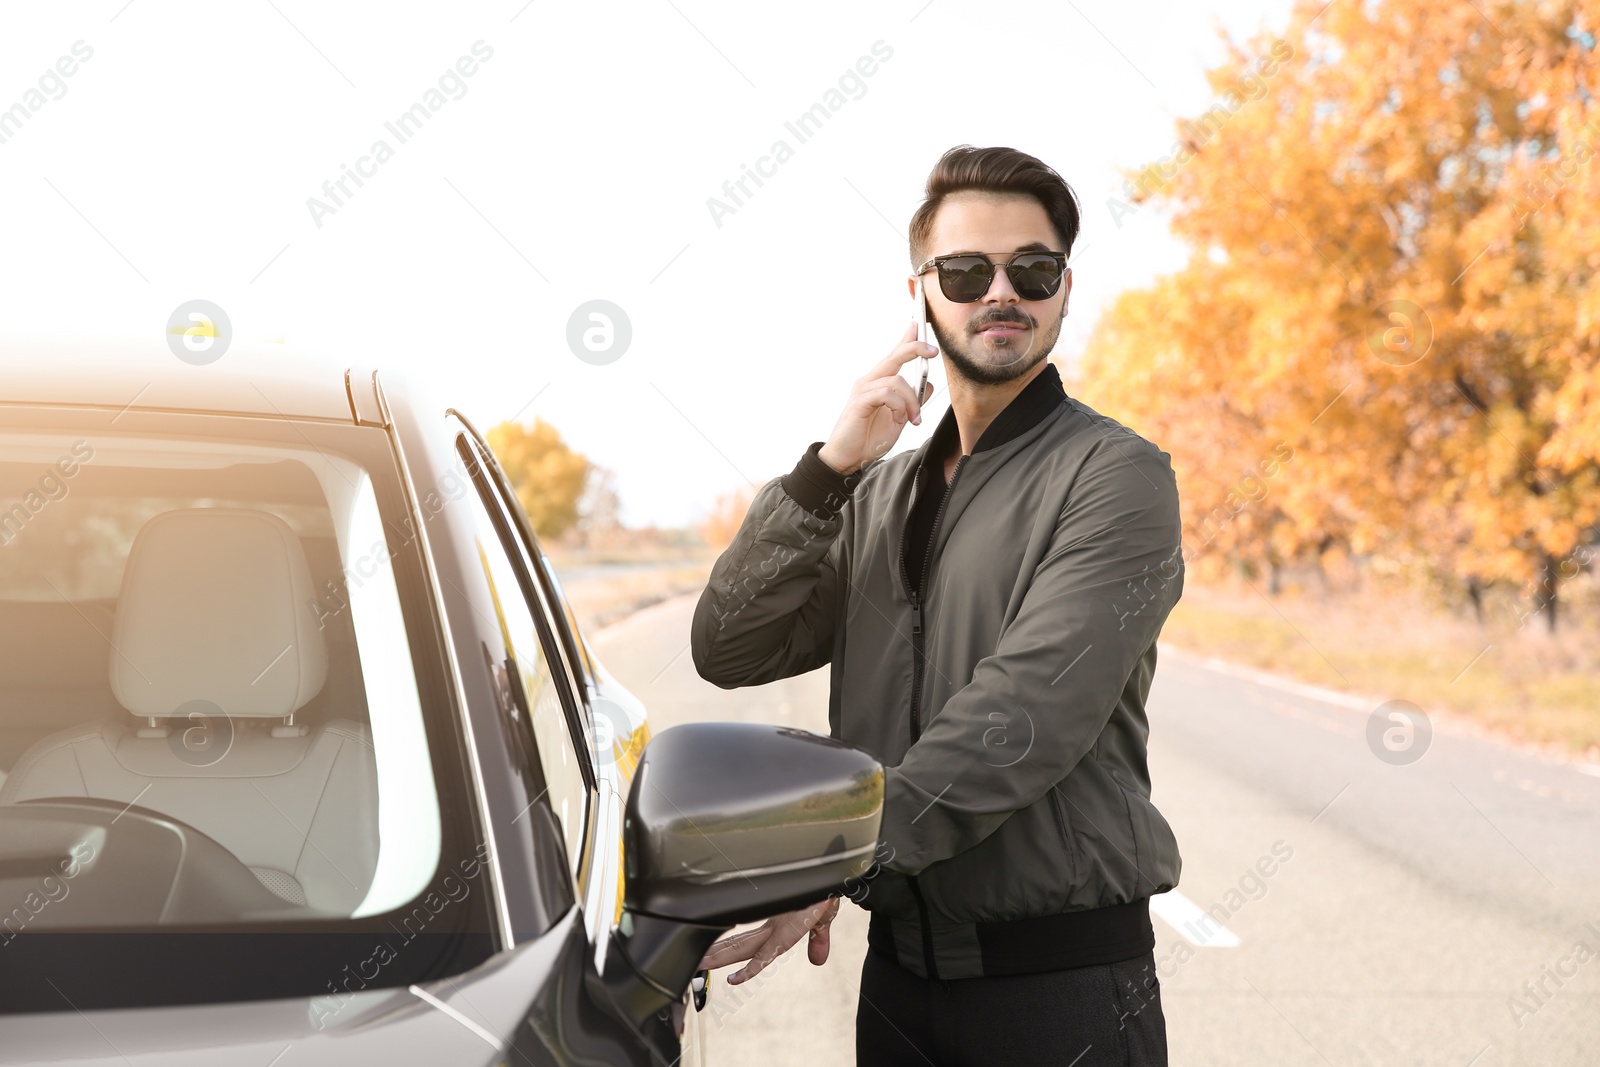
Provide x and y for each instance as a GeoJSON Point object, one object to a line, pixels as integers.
{"type": "Point", "coordinates": [817, 487]}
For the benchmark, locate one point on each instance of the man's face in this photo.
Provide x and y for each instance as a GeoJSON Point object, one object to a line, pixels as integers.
{"type": "Point", "coordinates": [979, 222]}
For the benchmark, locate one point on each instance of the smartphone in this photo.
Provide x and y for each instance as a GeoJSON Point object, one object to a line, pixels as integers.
{"type": "Point", "coordinates": [924, 331]}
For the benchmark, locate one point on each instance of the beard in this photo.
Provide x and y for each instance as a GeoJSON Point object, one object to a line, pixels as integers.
{"type": "Point", "coordinates": [981, 363]}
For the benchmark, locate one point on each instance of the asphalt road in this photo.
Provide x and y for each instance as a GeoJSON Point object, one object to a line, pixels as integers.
{"type": "Point", "coordinates": [1442, 911]}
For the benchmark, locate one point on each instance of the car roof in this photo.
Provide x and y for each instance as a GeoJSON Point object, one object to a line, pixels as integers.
{"type": "Point", "coordinates": [251, 378]}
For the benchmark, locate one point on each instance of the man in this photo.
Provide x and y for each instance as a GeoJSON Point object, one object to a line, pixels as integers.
{"type": "Point", "coordinates": [989, 604]}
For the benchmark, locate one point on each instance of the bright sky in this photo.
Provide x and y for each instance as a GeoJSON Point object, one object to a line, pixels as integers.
{"type": "Point", "coordinates": [574, 163]}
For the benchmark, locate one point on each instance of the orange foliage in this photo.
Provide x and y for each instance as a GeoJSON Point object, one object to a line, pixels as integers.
{"type": "Point", "coordinates": [1394, 275]}
{"type": "Point", "coordinates": [549, 477]}
{"type": "Point", "coordinates": [725, 518]}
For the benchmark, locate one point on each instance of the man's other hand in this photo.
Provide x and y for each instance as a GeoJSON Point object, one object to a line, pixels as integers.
{"type": "Point", "coordinates": [772, 939]}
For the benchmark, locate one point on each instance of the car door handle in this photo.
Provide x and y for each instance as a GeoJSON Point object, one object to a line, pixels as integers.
{"type": "Point", "coordinates": [700, 988]}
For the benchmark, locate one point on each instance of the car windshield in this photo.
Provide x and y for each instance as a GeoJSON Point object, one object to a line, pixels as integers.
{"type": "Point", "coordinates": [211, 719]}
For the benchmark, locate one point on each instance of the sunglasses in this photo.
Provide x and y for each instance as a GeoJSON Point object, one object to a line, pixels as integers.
{"type": "Point", "coordinates": [966, 278]}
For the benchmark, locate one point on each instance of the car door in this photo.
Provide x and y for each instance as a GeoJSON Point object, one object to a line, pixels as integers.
{"type": "Point", "coordinates": [607, 722]}
{"type": "Point", "coordinates": [550, 700]}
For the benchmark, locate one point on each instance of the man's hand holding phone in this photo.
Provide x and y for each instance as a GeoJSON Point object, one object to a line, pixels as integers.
{"type": "Point", "coordinates": [879, 407]}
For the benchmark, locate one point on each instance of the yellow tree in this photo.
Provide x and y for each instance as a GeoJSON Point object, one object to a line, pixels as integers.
{"type": "Point", "coordinates": [1542, 289]}
{"type": "Point", "coordinates": [1342, 202]}
{"type": "Point", "coordinates": [723, 520]}
{"type": "Point", "coordinates": [549, 476]}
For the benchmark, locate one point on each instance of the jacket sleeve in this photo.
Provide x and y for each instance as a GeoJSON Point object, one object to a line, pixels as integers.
{"type": "Point", "coordinates": [1098, 598]}
{"type": "Point", "coordinates": [769, 609]}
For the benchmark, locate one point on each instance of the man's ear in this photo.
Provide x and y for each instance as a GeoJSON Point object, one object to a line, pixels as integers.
{"type": "Point", "coordinates": [911, 286]}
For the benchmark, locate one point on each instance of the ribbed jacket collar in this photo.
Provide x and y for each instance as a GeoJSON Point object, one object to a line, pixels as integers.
{"type": "Point", "coordinates": [1037, 400]}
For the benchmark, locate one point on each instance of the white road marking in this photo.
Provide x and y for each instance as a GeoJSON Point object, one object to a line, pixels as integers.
{"type": "Point", "coordinates": [1445, 719]}
{"type": "Point", "coordinates": [1194, 925]}
{"type": "Point", "coordinates": [1236, 670]}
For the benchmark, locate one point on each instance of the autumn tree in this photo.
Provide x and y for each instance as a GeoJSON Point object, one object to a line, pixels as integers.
{"type": "Point", "coordinates": [549, 477]}
{"type": "Point", "coordinates": [722, 522]}
{"type": "Point", "coordinates": [1370, 284]}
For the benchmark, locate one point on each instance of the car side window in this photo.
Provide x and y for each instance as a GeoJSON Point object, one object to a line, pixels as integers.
{"type": "Point", "coordinates": [560, 615]}
{"type": "Point", "coordinates": [581, 650]}
{"type": "Point", "coordinates": [566, 651]}
{"type": "Point", "coordinates": [538, 689]}
{"type": "Point", "coordinates": [573, 656]}
{"type": "Point", "coordinates": [524, 546]}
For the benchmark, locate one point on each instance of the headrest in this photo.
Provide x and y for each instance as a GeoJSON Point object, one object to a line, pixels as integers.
{"type": "Point", "coordinates": [216, 605]}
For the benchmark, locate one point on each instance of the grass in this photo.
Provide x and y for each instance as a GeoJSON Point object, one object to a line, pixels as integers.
{"type": "Point", "coordinates": [1522, 683]}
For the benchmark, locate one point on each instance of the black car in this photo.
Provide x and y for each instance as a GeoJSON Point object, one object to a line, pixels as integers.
{"type": "Point", "coordinates": [303, 757]}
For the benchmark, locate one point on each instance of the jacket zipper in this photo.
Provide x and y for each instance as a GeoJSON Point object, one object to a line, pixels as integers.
{"type": "Point", "coordinates": [917, 599]}
{"type": "Point", "coordinates": [929, 962]}
{"type": "Point", "coordinates": [916, 672]}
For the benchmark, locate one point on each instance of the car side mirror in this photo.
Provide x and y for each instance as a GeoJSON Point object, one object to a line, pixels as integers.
{"type": "Point", "coordinates": [727, 823]}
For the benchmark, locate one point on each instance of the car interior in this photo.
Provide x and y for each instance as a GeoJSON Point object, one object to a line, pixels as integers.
{"type": "Point", "coordinates": [182, 638]}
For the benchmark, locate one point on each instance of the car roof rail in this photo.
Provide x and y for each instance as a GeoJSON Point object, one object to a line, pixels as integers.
{"type": "Point", "coordinates": [367, 404]}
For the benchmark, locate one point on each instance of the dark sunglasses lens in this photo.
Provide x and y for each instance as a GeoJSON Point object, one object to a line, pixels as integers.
{"type": "Point", "coordinates": [1035, 277]}
{"type": "Point", "coordinates": [965, 278]}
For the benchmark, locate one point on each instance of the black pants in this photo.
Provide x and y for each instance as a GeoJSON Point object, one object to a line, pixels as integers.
{"type": "Point", "coordinates": [1098, 1016]}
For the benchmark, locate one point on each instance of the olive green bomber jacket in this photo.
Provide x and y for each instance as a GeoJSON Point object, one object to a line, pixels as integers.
{"type": "Point", "coordinates": [1005, 696]}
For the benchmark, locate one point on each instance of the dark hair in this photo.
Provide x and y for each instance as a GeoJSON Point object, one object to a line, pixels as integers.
{"type": "Point", "coordinates": [999, 171]}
